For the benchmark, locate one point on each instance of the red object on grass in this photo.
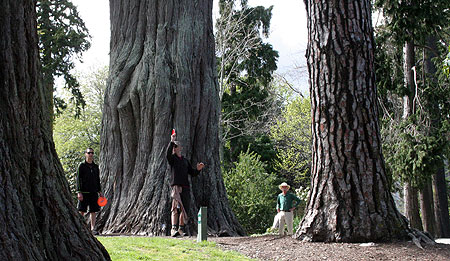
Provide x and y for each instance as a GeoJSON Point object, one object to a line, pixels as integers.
{"type": "Point", "coordinates": [101, 201]}
{"type": "Point", "coordinates": [173, 131]}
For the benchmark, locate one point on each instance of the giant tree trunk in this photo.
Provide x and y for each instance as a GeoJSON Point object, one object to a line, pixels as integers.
{"type": "Point", "coordinates": [162, 76]}
{"type": "Point", "coordinates": [37, 218]}
{"type": "Point", "coordinates": [410, 192]}
{"type": "Point", "coordinates": [349, 199]}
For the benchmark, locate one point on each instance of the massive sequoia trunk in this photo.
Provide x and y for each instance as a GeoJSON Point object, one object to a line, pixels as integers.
{"type": "Point", "coordinates": [162, 76]}
{"type": "Point", "coordinates": [37, 218]}
{"type": "Point", "coordinates": [349, 199]}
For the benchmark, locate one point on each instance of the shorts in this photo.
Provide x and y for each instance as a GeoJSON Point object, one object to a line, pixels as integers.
{"type": "Point", "coordinates": [89, 199]}
{"type": "Point", "coordinates": [186, 199]}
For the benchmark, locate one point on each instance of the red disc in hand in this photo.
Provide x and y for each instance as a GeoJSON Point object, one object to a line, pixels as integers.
{"type": "Point", "coordinates": [173, 131]}
{"type": "Point", "coordinates": [102, 201]}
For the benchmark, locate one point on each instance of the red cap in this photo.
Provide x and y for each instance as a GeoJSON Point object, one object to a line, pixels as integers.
{"type": "Point", "coordinates": [173, 131]}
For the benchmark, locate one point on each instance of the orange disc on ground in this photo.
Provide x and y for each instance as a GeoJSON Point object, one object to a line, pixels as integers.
{"type": "Point", "coordinates": [102, 201]}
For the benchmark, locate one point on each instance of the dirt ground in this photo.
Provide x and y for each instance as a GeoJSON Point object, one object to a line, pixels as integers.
{"type": "Point", "coordinates": [270, 247]}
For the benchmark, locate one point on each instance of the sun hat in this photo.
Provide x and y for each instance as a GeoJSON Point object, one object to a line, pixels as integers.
{"type": "Point", "coordinates": [284, 184]}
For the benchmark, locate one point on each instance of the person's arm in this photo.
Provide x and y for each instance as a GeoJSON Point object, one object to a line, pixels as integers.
{"type": "Point", "coordinates": [278, 203]}
{"type": "Point", "coordinates": [99, 186]}
{"type": "Point", "coordinates": [297, 200]}
{"type": "Point", "coordinates": [79, 195]}
{"type": "Point", "coordinates": [192, 171]}
{"type": "Point", "coordinates": [169, 152]}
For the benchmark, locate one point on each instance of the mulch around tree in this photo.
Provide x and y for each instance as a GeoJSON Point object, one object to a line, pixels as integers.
{"type": "Point", "coordinates": [271, 247]}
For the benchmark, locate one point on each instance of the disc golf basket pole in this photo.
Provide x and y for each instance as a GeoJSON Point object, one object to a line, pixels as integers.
{"type": "Point", "coordinates": [202, 224]}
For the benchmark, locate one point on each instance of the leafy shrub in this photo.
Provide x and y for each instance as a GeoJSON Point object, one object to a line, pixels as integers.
{"type": "Point", "coordinates": [252, 192]}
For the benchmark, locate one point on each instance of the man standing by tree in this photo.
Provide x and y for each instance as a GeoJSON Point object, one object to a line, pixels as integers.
{"type": "Point", "coordinates": [180, 168]}
{"type": "Point", "coordinates": [88, 187]}
{"type": "Point", "coordinates": [286, 207]}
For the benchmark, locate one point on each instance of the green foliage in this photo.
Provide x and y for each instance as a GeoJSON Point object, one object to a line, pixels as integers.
{"type": "Point", "coordinates": [413, 147]}
{"type": "Point", "coordinates": [62, 36]}
{"type": "Point", "coordinates": [412, 156]}
{"type": "Point", "coordinates": [388, 65]}
{"type": "Point", "coordinates": [251, 192]}
{"type": "Point", "coordinates": [72, 135]}
{"type": "Point", "coordinates": [413, 19]}
{"type": "Point", "coordinates": [246, 65]}
{"type": "Point", "coordinates": [292, 135]}
{"type": "Point", "coordinates": [157, 248]}
{"type": "Point", "coordinates": [446, 64]}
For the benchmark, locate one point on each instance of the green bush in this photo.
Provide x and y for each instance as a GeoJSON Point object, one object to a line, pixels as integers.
{"type": "Point", "coordinates": [252, 193]}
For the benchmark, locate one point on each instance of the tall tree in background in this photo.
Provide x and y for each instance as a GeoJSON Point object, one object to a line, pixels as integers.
{"type": "Point", "coordinates": [62, 36]}
{"type": "Point", "coordinates": [72, 135]}
{"type": "Point", "coordinates": [162, 76]}
{"type": "Point", "coordinates": [37, 218]}
{"type": "Point", "coordinates": [246, 66]}
{"type": "Point", "coordinates": [415, 143]}
{"type": "Point", "coordinates": [349, 199]}
{"type": "Point", "coordinates": [292, 136]}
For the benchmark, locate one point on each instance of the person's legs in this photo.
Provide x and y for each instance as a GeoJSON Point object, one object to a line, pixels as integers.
{"type": "Point", "coordinates": [281, 228]}
{"type": "Point", "coordinates": [289, 217]}
{"type": "Point", "coordinates": [93, 219]}
{"type": "Point", "coordinates": [185, 199]}
{"type": "Point", "coordinates": [93, 209]}
{"type": "Point", "coordinates": [82, 205]}
{"type": "Point", "coordinates": [174, 218]}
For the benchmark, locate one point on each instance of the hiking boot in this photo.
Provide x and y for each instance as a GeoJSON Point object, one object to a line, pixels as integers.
{"type": "Point", "coordinates": [174, 232]}
{"type": "Point", "coordinates": [181, 232]}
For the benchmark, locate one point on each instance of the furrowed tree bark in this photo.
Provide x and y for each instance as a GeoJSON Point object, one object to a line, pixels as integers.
{"type": "Point", "coordinates": [162, 76]}
{"type": "Point", "coordinates": [349, 200]}
{"type": "Point", "coordinates": [37, 218]}
{"type": "Point", "coordinates": [426, 207]}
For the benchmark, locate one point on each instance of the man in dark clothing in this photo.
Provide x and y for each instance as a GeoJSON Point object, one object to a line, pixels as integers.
{"type": "Point", "coordinates": [180, 168]}
{"type": "Point", "coordinates": [88, 187]}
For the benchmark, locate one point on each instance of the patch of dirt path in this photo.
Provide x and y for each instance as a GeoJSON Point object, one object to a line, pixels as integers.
{"type": "Point", "coordinates": [270, 247]}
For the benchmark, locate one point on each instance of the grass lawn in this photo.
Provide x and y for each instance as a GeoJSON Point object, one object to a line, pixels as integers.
{"type": "Point", "coordinates": [159, 248]}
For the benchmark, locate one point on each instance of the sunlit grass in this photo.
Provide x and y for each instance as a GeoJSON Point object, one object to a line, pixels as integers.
{"type": "Point", "coordinates": [158, 248]}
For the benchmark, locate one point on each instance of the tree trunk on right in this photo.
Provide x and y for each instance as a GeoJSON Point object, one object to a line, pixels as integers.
{"type": "Point", "coordinates": [349, 199]}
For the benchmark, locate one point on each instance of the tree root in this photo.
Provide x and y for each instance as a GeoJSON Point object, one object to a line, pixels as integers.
{"type": "Point", "coordinates": [418, 236]}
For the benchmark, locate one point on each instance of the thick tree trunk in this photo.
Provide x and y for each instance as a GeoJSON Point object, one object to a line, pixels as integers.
{"type": "Point", "coordinates": [441, 203]}
{"type": "Point", "coordinates": [349, 199]}
{"type": "Point", "coordinates": [412, 206]}
{"type": "Point", "coordinates": [37, 218]}
{"type": "Point", "coordinates": [162, 76]}
{"type": "Point", "coordinates": [426, 207]}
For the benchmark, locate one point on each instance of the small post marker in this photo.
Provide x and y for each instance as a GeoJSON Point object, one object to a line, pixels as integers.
{"type": "Point", "coordinates": [202, 224]}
